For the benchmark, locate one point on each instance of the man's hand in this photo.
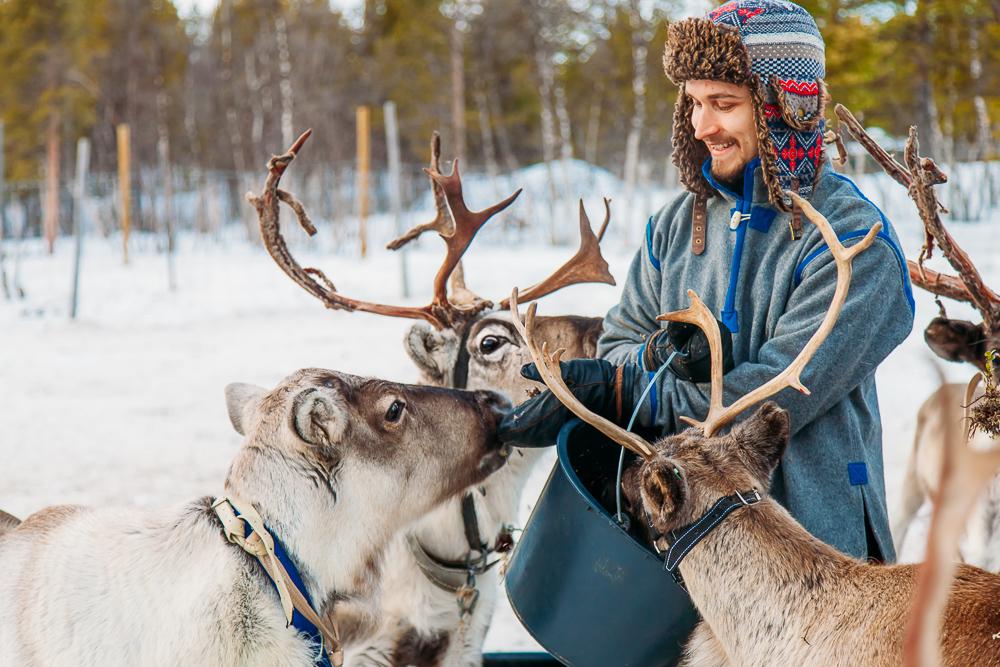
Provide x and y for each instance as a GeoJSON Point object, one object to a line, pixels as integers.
{"type": "Point", "coordinates": [693, 361]}
{"type": "Point", "coordinates": [602, 387]}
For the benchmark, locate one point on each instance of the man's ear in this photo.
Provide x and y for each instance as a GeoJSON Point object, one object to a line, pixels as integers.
{"type": "Point", "coordinates": [319, 417]}
{"type": "Point", "coordinates": [761, 440]}
{"type": "Point", "coordinates": [242, 400]}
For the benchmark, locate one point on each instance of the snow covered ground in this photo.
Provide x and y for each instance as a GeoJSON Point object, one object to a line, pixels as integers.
{"type": "Point", "coordinates": [125, 404]}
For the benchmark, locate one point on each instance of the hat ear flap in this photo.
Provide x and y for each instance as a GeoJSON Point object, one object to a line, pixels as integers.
{"type": "Point", "coordinates": [766, 149]}
{"type": "Point", "coordinates": [688, 153]}
{"type": "Point", "coordinates": [802, 103]}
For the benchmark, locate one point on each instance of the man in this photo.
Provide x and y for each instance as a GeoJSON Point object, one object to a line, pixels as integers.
{"type": "Point", "coordinates": [749, 125]}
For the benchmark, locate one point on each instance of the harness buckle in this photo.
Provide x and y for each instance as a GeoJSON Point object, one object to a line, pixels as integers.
{"type": "Point", "coordinates": [752, 498]}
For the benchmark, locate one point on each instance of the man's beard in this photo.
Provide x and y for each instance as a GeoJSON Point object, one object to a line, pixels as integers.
{"type": "Point", "coordinates": [731, 178]}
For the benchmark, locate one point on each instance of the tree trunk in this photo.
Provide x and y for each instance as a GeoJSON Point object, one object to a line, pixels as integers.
{"type": "Point", "coordinates": [457, 46]}
{"type": "Point", "coordinates": [638, 120]}
{"type": "Point", "coordinates": [285, 80]}
{"type": "Point", "coordinates": [503, 136]}
{"type": "Point", "coordinates": [594, 124]}
{"type": "Point", "coordinates": [232, 119]}
{"type": "Point", "coordinates": [983, 139]}
{"type": "Point", "coordinates": [932, 138]}
{"type": "Point", "coordinates": [545, 77]}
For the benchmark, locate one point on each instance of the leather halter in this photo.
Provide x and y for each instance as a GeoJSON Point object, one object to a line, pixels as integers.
{"type": "Point", "coordinates": [683, 539]}
{"type": "Point", "coordinates": [244, 527]}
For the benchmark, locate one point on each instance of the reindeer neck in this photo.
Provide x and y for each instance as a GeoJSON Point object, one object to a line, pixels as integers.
{"type": "Point", "coordinates": [759, 568]}
{"type": "Point", "coordinates": [335, 547]}
{"type": "Point", "coordinates": [442, 531]}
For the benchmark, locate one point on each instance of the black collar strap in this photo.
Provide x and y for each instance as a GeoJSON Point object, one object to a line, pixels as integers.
{"type": "Point", "coordinates": [683, 539]}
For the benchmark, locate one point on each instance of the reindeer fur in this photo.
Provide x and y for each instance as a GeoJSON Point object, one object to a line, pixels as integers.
{"type": "Point", "coordinates": [981, 545]}
{"type": "Point", "coordinates": [772, 594]}
{"type": "Point", "coordinates": [330, 475]}
{"type": "Point", "coordinates": [420, 622]}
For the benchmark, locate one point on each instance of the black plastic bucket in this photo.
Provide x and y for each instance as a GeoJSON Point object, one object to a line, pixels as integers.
{"type": "Point", "coordinates": [586, 590]}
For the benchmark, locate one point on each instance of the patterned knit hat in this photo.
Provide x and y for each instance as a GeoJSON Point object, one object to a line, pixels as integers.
{"type": "Point", "coordinates": [775, 48]}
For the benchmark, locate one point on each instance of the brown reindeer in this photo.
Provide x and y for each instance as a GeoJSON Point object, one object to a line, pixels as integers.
{"type": "Point", "coordinates": [769, 592]}
{"type": "Point", "coordinates": [952, 340]}
{"type": "Point", "coordinates": [432, 612]}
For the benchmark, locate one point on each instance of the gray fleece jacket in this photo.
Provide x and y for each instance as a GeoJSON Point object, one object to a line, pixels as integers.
{"type": "Point", "coordinates": [772, 293]}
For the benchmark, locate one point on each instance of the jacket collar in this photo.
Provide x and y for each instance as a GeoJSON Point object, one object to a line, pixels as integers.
{"type": "Point", "coordinates": [754, 189]}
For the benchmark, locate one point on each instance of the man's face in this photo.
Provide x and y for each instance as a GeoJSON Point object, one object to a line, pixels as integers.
{"type": "Point", "coordinates": [723, 119]}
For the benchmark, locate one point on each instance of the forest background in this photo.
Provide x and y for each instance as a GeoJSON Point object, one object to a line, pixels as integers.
{"type": "Point", "coordinates": [508, 83]}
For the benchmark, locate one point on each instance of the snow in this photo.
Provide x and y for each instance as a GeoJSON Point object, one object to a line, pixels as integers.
{"type": "Point", "coordinates": [125, 405]}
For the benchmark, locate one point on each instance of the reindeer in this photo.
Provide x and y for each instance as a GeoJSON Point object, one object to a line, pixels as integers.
{"type": "Point", "coordinates": [439, 582]}
{"type": "Point", "coordinates": [951, 339]}
{"type": "Point", "coordinates": [332, 465]}
{"type": "Point", "coordinates": [769, 593]}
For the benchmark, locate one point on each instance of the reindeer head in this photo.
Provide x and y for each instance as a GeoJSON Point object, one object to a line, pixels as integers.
{"type": "Point", "coordinates": [491, 353]}
{"type": "Point", "coordinates": [689, 472]}
{"type": "Point", "coordinates": [418, 444]}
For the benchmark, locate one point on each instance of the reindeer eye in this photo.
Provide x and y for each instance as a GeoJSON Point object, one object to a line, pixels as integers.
{"type": "Point", "coordinates": [677, 473]}
{"type": "Point", "coordinates": [490, 344]}
{"type": "Point", "coordinates": [395, 411]}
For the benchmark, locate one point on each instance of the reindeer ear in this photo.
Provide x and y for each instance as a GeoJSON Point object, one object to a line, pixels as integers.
{"type": "Point", "coordinates": [241, 401]}
{"type": "Point", "coordinates": [319, 417]}
{"type": "Point", "coordinates": [663, 489]}
{"type": "Point", "coordinates": [761, 440]}
{"type": "Point", "coordinates": [432, 351]}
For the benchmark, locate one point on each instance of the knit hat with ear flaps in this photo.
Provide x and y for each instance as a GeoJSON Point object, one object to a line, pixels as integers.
{"type": "Point", "coordinates": [775, 48]}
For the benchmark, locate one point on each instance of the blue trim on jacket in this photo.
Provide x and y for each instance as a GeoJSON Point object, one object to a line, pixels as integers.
{"type": "Point", "coordinates": [883, 236]}
{"type": "Point", "coordinates": [745, 206]}
{"type": "Point", "coordinates": [649, 245]}
{"type": "Point", "coordinates": [299, 622]}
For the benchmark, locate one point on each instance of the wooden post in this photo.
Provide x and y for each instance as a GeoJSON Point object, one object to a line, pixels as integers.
{"type": "Point", "coordinates": [124, 185]}
{"type": "Point", "coordinates": [392, 142]}
{"type": "Point", "coordinates": [364, 163]}
{"type": "Point", "coordinates": [50, 216]}
{"type": "Point", "coordinates": [79, 221]}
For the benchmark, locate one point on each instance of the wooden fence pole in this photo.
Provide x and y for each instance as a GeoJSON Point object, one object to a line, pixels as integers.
{"type": "Point", "coordinates": [79, 219]}
{"type": "Point", "coordinates": [364, 164]}
{"type": "Point", "coordinates": [395, 193]}
{"type": "Point", "coordinates": [124, 185]}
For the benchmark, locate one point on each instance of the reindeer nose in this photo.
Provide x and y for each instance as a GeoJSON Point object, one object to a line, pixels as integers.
{"type": "Point", "coordinates": [493, 403]}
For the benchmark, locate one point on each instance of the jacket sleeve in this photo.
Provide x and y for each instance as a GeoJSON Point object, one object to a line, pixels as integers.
{"type": "Point", "coordinates": [876, 317]}
{"type": "Point", "coordinates": [629, 323]}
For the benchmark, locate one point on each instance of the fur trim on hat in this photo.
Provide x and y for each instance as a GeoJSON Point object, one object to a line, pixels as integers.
{"type": "Point", "coordinates": [700, 49]}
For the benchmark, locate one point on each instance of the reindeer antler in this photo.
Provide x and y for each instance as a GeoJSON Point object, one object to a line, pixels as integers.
{"type": "Point", "coordinates": [699, 315]}
{"type": "Point", "coordinates": [548, 368]}
{"type": "Point", "coordinates": [442, 222]}
{"type": "Point", "coordinates": [440, 312]}
{"type": "Point", "coordinates": [964, 473]}
{"type": "Point", "coordinates": [586, 266]}
{"type": "Point", "coordinates": [919, 176]}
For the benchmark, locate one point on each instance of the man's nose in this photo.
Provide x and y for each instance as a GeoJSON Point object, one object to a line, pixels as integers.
{"type": "Point", "coordinates": [705, 125]}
